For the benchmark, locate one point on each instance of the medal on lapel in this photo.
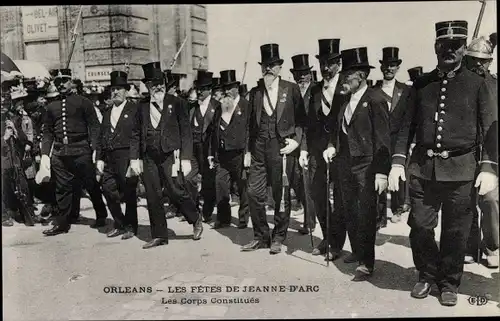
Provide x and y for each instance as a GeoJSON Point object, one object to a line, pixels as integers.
{"type": "Point", "coordinates": [125, 116]}
{"type": "Point", "coordinates": [283, 98]}
{"type": "Point", "coordinates": [169, 109]}
{"type": "Point", "coordinates": [365, 104]}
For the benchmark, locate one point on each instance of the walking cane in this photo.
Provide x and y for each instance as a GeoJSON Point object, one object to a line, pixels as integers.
{"type": "Point", "coordinates": [479, 214]}
{"type": "Point", "coordinates": [284, 180]}
{"type": "Point", "coordinates": [327, 213]}
{"type": "Point", "coordinates": [307, 218]}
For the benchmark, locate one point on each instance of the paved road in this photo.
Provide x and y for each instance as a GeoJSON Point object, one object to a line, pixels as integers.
{"type": "Point", "coordinates": [66, 277]}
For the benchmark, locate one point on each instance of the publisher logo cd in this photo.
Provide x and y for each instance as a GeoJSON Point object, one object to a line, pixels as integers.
{"type": "Point", "coordinates": [478, 300]}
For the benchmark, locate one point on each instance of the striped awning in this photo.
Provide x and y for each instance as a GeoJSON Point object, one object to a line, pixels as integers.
{"type": "Point", "coordinates": [32, 69]}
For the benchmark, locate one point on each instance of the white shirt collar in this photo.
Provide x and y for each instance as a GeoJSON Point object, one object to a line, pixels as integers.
{"type": "Point", "coordinates": [357, 95]}
{"type": "Point", "coordinates": [332, 83]}
{"type": "Point", "coordinates": [275, 83]}
{"type": "Point", "coordinates": [121, 105]}
{"type": "Point", "coordinates": [388, 83]}
{"type": "Point", "coordinates": [236, 101]}
{"type": "Point", "coordinates": [204, 104]}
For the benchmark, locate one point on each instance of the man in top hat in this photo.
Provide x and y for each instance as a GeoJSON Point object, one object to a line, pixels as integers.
{"type": "Point", "coordinates": [324, 106]}
{"type": "Point", "coordinates": [414, 73]}
{"type": "Point", "coordinates": [394, 93]}
{"type": "Point", "coordinates": [113, 151]}
{"type": "Point", "coordinates": [276, 127]}
{"type": "Point", "coordinates": [302, 75]}
{"type": "Point", "coordinates": [450, 113]}
{"type": "Point", "coordinates": [161, 128]}
{"type": "Point", "coordinates": [70, 136]}
{"type": "Point", "coordinates": [217, 91]}
{"type": "Point", "coordinates": [228, 145]}
{"type": "Point", "coordinates": [478, 58]}
{"type": "Point", "coordinates": [362, 162]}
{"type": "Point", "coordinates": [202, 118]}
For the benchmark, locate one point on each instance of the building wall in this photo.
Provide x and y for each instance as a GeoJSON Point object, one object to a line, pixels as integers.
{"type": "Point", "coordinates": [109, 37]}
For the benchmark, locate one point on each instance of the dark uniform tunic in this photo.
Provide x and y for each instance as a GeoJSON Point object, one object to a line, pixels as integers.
{"type": "Point", "coordinates": [71, 124]}
{"type": "Point", "coordinates": [448, 114]}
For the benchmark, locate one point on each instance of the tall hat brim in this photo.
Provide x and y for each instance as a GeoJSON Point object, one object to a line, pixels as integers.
{"type": "Point", "coordinates": [356, 66]}
{"type": "Point", "coordinates": [271, 61]}
{"type": "Point", "coordinates": [230, 83]}
{"type": "Point", "coordinates": [328, 57]}
{"type": "Point", "coordinates": [398, 61]}
{"type": "Point", "coordinates": [301, 69]}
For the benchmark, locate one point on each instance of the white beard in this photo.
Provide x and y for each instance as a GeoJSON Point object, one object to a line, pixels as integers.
{"type": "Point", "coordinates": [268, 80]}
{"type": "Point", "coordinates": [227, 103]}
{"type": "Point", "coordinates": [158, 97]}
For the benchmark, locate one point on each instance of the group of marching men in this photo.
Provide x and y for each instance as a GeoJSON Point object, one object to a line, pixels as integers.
{"type": "Point", "coordinates": [431, 143]}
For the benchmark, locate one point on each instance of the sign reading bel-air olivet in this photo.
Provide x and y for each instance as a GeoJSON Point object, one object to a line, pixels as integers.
{"type": "Point", "coordinates": [40, 23]}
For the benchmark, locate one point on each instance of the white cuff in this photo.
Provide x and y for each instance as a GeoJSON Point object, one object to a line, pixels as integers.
{"type": "Point", "coordinates": [398, 165]}
{"type": "Point", "coordinates": [381, 176]}
{"type": "Point", "coordinates": [488, 162]}
{"type": "Point", "coordinates": [398, 155]}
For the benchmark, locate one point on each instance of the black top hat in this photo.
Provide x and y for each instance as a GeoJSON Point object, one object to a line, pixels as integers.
{"type": "Point", "coordinates": [177, 79]}
{"type": "Point", "coordinates": [389, 55]}
{"type": "Point", "coordinates": [56, 73]}
{"type": "Point", "coordinates": [456, 29]}
{"type": "Point", "coordinates": [270, 54]}
{"type": "Point", "coordinates": [493, 40]}
{"type": "Point", "coordinates": [300, 63]}
{"type": "Point", "coordinates": [315, 76]}
{"type": "Point", "coordinates": [152, 72]}
{"type": "Point", "coordinates": [119, 79]}
{"type": "Point", "coordinates": [369, 82]}
{"type": "Point", "coordinates": [328, 48]}
{"type": "Point", "coordinates": [415, 72]}
{"type": "Point", "coordinates": [243, 89]}
{"type": "Point", "coordinates": [228, 77]}
{"type": "Point", "coordinates": [216, 83]}
{"type": "Point", "coordinates": [355, 58]}
{"type": "Point", "coordinates": [169, 78]}
{"type": "Point", "coordinates": [204, 79]}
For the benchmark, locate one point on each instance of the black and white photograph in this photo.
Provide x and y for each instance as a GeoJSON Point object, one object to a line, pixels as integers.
{"type": "Point", "coordinates": [249, 160]}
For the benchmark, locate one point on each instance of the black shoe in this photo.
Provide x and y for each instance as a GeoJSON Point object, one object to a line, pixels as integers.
{"type": "Point", "coordinates": [75, 220]}
{"type": "Point", "coordinates": [154, 243]}
{"type": "Point", "coordinates": [448, 299]}
{"type": "Point", "coordinates": [275, 248]}
{"type": "Point", "coordinates": [351, 258]}
{"type": "Point", "coordinates": [304, 230]}
{"type": "Point", "coordinates": [421, 290]}
{"type": "Point", "coordinates": [320, 249]}
{"type": "Point", "coordinates": [254, 245]}
{"type": "Point", "coordinates": [115, 232]}
{"type": "Point", "coordinates": [8, 222]}
{"type": "Point", "coordinates": [128, 235]}
{"type": "Point", "coordinates": [242, 226]}
{"type": "Point", "coordinates": [219, 225]}
{"type": "Point", "coordinates": [98, 223]}
{"type": "Point", "coordinates": [207, 219]}
{"type": "Point", "coordinates": [197, 229]}
{"type": "Point", "coordinates": [57, 229]}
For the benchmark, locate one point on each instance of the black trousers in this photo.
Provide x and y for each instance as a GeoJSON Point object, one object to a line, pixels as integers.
{"type": "Point", "coordinates": [398, 199]}
{"type": "Point", "coordinates": [229, 169]}
{"type": "Point", "coordinates": [267, 164]}
{"type": "Point", "coordinates": [444, 263]}
{"type": "Point", "coordinates": [356, 180]}
{"type": "Point", "coordinates": [338, 222]}
{"type": "Point", "coordinates": [117, 187]}
{"type": "Point", "coordinates": [200, 166]}
{"type": "Point", "coordinates": [158, 175]}
{"type": "Point", "coordinates": [71, 174]}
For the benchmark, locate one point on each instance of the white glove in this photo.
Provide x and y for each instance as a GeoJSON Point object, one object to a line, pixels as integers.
{"type": "Point", "coordinates": [380, 183]}
{"type": "Point", "coordinates": [45, 162]}
{"type": "Point", "coordinates": [136, 166]}
{"type": "Point", "coordinates": [247, 160]}
{"type": "Point", "coordinates": [100, 166]}
{"type": "Point", "coordinates": [37, 158]}
{"type": "Point", "coordinates": [211, 162]}
{"type": "Point", "coordinates": [486, 182]}
{"type": "Point", "coordinates": [94, 156]}
{"type": "Point", "coordinates": [396, 173]}
{"type": "Point", "coordinates": [186, 167]}
{"type": "Point", "coordinates": [303, 159]}
{"type": "Point", "coordinates": [291, 145]}
{"type": "Point", "coordinates": [329, 154]}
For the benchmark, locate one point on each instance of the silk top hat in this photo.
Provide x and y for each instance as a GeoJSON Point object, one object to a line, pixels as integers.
{"type": "Point", "coordinates": [355, 58]}
{"type": "Point", "coordinates": [315, 76]}
{"type": "Point", "coordinates": [390, 55]}
{"type": "Point", "coordinates": [369, 82]}
{"type": "Point", "coordinates": [58, 73]}
{"type": "Point", "coordinates": [216, 83]}
{"type": "Point", "coordinates": [456, 29]}
{"type": "Point", "coordinates": [169, 78]}
{"type": "Point", "coordinates": [415, 72]}
{"type": "Point", "coordinates": [328, 48]}
{"type": "Point", "coordinates": [228, 77]}
{"type": "Point", "coordinates": [204, 79]}
{"type": "Point", "coordinates": [243, 90]}
{"type": "Point", "coordinates": [119, 79]}
{"type": "Point", "coordinates": [270, 54]}
{"type": "Point", "coordinates": [300, 63]}
{"type": "Point", "coordinates": [480, 48]}
{"type": "Point", "coordinates": [493, 40]}
{"type": "Point", "coordinates": [152, 72]}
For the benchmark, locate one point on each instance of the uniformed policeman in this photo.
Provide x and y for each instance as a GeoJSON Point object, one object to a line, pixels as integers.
{"type": "Point", "coordinates": [478, 58]}
{"type": "Point", "coordinates": [72, 128]}
{"type": "Point", "coordinates": [451, 110]}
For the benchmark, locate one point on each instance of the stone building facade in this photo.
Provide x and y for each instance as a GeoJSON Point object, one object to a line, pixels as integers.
{"type": "Point", "coordinates": [109, 37]}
